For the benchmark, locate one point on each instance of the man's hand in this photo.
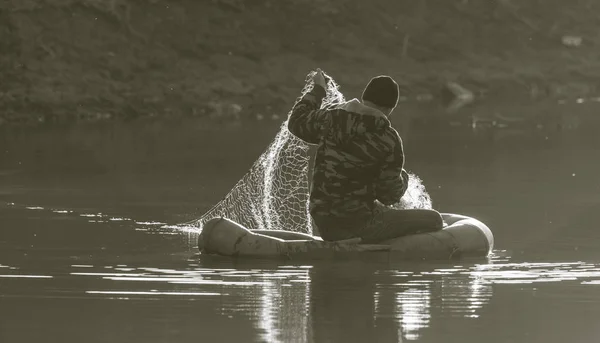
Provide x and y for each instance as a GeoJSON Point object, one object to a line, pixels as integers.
{"type": "Point", "coordinates": [319, 79]}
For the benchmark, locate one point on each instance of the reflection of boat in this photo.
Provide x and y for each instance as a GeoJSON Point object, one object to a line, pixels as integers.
{"type": "Point", "coordinates": [358, 302]}
{"type": "Point", "coordinates": [462, 236]}
{"type": "Point", "coordinates": [424, 298]}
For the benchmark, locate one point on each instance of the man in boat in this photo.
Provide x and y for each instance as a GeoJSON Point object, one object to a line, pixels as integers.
{"type": "Point", "coordinates": [359, 165]}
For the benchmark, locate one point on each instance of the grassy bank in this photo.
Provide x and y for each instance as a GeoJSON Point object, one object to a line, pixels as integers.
{"type": "Point", "coordinates": [66, 59]}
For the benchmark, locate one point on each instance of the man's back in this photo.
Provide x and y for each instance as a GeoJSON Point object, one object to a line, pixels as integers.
{"type": "Point", "coordinates": [349, 159]}
{"type": "Point", "coordinates": [359, 159]}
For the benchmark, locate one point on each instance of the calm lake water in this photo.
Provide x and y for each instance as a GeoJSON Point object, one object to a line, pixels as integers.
{"type": "Point", "coordinates": [91, 249]}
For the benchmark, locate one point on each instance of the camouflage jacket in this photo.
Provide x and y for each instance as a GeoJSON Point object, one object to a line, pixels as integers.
{"type": "Point", "coordinates": [359, 157]}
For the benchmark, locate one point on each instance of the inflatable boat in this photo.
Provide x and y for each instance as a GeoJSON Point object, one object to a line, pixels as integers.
{"type": "Point", "coordinates": [461, 236]}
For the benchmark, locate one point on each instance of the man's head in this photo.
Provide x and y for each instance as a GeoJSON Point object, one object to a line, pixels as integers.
{"type": "Point", "coordinates": [381, 93]}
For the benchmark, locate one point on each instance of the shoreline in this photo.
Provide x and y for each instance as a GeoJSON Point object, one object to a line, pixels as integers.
{"type": "Point", "coordinates": [229, 112]}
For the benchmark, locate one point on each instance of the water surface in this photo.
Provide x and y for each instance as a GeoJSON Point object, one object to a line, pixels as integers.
{"type": "Point", "coordinates": [91, 249]}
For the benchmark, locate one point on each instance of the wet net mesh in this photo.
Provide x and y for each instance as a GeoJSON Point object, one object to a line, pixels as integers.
{"type": "Point", "coordinates": [274, 193]}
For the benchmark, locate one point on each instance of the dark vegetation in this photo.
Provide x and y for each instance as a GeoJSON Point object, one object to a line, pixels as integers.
{"type": "Point", "coordinates": [93, 59]}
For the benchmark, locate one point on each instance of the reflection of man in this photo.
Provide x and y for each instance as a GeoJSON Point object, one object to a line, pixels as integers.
{"type": "Point", "coordinates": [359, 163]}
{"type": "Point", "coordinates": [342, 305]}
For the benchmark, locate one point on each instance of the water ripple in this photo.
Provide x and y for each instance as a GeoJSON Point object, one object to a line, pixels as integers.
{"type": "Point", "coordinates": [276, 298]}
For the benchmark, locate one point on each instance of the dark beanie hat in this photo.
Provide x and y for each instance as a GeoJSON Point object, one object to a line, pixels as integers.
{"type": "Point", "coordinates": [382, 91]}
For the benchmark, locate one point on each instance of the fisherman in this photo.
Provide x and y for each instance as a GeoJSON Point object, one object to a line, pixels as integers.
{"type": "Point", "coordinates": [359, 165]}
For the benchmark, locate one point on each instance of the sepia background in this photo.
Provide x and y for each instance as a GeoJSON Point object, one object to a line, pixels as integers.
{"type": "Point", "coordinates": [120, 120]}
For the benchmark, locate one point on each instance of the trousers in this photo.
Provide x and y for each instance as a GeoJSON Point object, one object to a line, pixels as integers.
{"type": "Point", "coordinates": [386, 223]}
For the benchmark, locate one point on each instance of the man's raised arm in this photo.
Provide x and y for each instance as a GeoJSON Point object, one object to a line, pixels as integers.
{"type": "Point", "coordinates": [306, 120]}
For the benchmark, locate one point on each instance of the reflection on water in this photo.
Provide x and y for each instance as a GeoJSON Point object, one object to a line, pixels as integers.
{"type": "Point", "coordinates": [14, 276]}
{"type": "Point", "coordinates": [311, 303]}
{"type": "Point", "coordinates": [526, 273]}
{"type": "Point", "coordinates": [152, 227]}
{"type": "Point", "coordinates": [148, 293]}
{"type": "Point", "coordinates": [413, 306]}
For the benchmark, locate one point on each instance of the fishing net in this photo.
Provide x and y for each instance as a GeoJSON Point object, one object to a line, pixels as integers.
{"type": "Point", "coordinates": [274, 193]}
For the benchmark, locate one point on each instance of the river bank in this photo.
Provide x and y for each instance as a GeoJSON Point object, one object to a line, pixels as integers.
{"type": "Point", "coordinates": [90, 60]}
